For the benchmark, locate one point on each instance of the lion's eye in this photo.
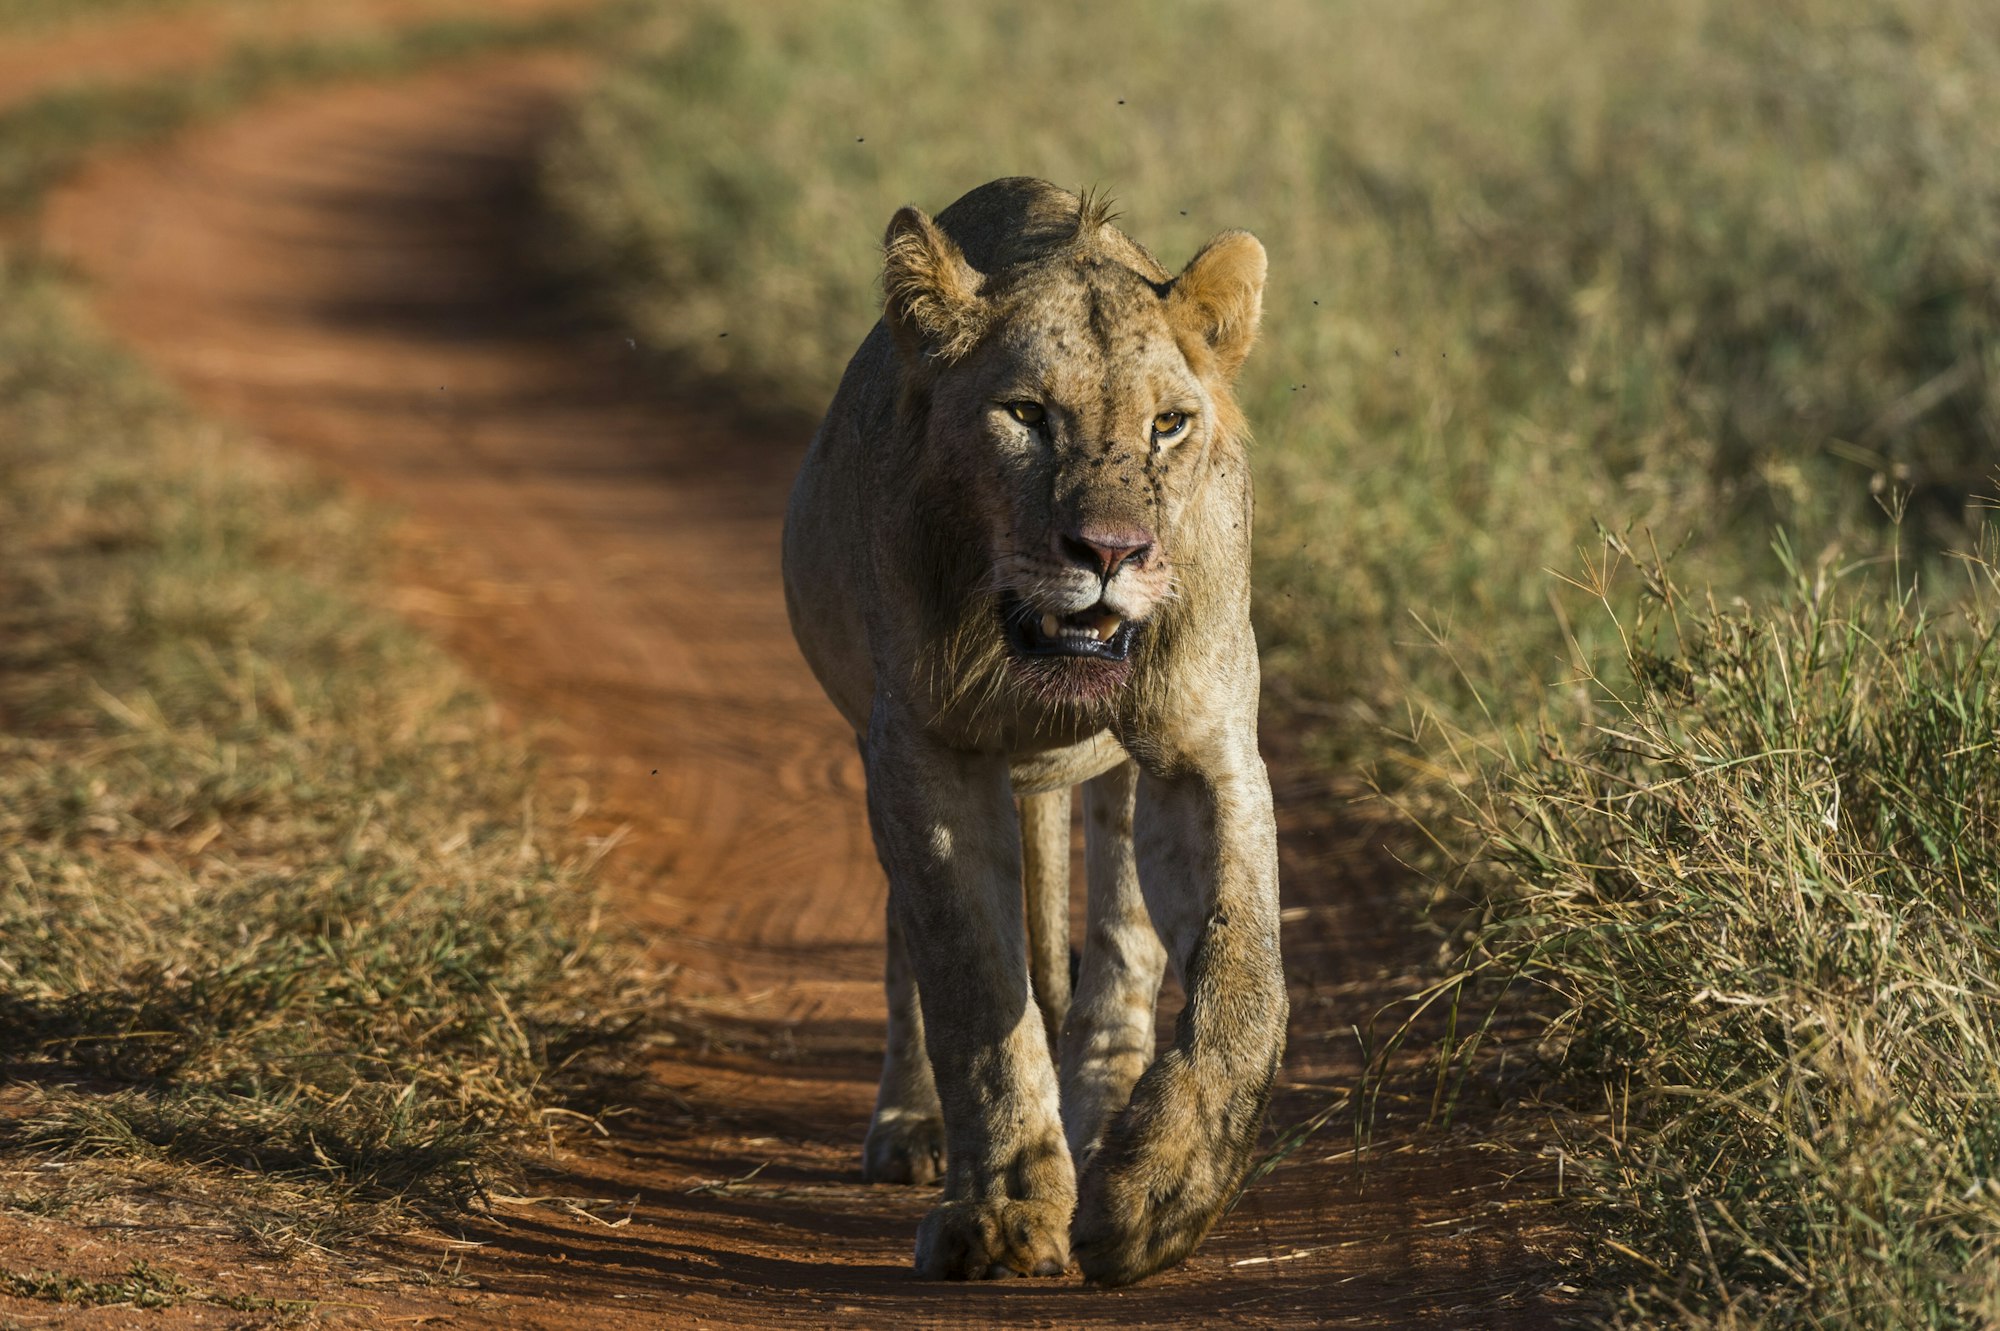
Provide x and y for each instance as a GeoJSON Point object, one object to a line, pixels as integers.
{"type": "Point", "coordinates": [1028, 413]}
{"type": "Point", "coordinates": [1170, 424]}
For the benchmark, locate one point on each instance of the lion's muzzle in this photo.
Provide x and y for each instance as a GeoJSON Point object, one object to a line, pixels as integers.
{"type": "Point", "coordinates": [1097, 633]}
{"type": "Point", "coordinates": [1106, 550]}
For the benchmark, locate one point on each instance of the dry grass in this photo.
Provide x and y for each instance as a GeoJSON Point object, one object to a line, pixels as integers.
{"type": "Point", "coordinates": [144, 1285]}
{"type": "Point", "coordinates": [281, 922]}
{"type": "Point", "coordinates": [1751, 890]}
{"type": "Point", "coordinates": [284, 937]}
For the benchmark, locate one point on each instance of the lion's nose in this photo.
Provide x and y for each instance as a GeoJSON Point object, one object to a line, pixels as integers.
{"type": "Point", "coordinates": [1104, 551]}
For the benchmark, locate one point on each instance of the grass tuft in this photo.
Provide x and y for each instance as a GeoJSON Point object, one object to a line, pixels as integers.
{"type": "Point", "coordinates": [1752, 888]}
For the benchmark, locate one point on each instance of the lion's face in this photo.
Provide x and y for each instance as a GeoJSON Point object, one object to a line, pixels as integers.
{"type": "Point", "coordinates": [1081, 423]}
{"type": "Point", "coordinates": [1091, 433]}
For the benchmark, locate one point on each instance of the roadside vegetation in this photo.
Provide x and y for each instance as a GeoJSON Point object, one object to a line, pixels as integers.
{"type": "Point", "coordinates": [281, 924]}
{"type": "Point", "coordinates": [1753, 889]}
{"type": "Point", "coordinates": [289, 938]}
{"type": "Point", "coordinates": [1566, 314]}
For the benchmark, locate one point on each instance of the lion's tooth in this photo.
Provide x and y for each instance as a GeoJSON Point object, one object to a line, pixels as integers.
{"type": "Point", "coordinates": [1050, 626]}
{"type": "Point", "coordinates": [1108, 626]}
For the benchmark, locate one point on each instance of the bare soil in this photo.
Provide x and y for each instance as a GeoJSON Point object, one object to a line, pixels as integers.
{"type": "Point", "coordinates": [348, 274]}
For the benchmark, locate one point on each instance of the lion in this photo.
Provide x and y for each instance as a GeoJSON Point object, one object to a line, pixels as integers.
{"type": "Point", "coordinates": [1017, 558]}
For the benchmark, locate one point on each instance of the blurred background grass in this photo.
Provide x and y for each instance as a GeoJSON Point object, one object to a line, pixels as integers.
{"type": "Point", "coordinates": [1690, 268]}
{"type": "Point", "coordinates": [45, 137]}
{"type": "Point", "coordinates": [1571, 304]}
{"type": "Point", "coordinates": [35, 16]}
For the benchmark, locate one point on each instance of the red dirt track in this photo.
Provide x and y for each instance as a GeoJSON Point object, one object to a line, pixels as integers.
{"type": "Point", "coordinates": [345, 274]}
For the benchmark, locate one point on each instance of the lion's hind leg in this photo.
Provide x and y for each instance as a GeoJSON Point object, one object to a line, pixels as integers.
{"type": "Point", "coordinates": [906, 1135]}
{"type": "Point", "coordinates": [1045, 886]}
{"type": "Point", "coordinates": [1108, 1039]}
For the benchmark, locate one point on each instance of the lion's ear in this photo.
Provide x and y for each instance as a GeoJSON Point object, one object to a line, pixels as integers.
{"type": "Point", "coordinates": [932, 294]}
{"type": "Point", "coordinates": [1219, 297]}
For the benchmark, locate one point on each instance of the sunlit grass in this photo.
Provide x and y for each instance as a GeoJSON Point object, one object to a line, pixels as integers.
{"type": "Point", "coordinates": [283, 932]}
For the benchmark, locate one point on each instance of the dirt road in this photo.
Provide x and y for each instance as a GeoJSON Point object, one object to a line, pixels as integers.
{"type": "Point", "coordinates": [346, 273]}
{"type": "Point", "coordinates": [111, 48]}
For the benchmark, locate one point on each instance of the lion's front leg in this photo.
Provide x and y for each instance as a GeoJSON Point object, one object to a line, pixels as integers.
{"type": "Point", "coordinates": [1172, 1159]}
{"type": "Point", "coordinates": [945, 827]}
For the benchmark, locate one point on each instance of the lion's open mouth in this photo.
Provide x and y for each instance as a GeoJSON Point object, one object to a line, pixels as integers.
{"type": "Point", "coordinates": [1094, 634]}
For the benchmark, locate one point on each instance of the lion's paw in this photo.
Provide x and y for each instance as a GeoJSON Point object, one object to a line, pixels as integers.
{"type": "Point", "coordinates": [976, 1240]}
{"type": "Point", "coordinates": [1168, 1166]}
{"type": "Point", "coordinates": [1141, 1216]}
{"type": "Point", "coordinates": [903, 1147]}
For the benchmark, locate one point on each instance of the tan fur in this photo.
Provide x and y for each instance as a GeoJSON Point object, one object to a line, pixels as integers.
{"type": "Point", "coordinates": [925, 512]}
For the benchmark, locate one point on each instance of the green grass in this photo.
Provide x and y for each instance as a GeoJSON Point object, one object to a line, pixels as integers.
{"type": "Point", "coordinates": [283, 927]}
{"type": "Point", "coordinates": [1721, 281]}
{"type": "Point", "coordinates": [47, 137]}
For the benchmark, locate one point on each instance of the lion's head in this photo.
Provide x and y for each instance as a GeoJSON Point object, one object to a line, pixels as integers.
{"type": "Point", "coordinates": [1077, 420]}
